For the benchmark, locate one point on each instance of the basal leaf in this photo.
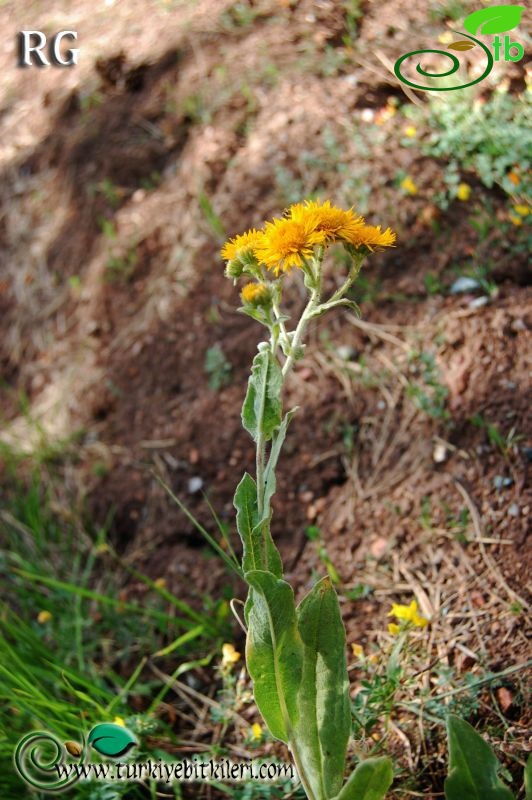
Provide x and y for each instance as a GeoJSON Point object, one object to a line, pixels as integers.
{"type": "Point", "coordinates": [473, 766]}
{"type": "Point", "coordinates": [370, 781]}
{"type": "Point", "coordinates": [110, 739]}
{"type": "Point", "coordinates": [274, 651]}
{"type": "Point", "coordinates": [495, 19]}
{"type": "Point", "coordinates": [462, 44]}
{"type": "Point", "coordinates": [260, 551]}
{"type": "Point", "coordinates": [324, 726]}
{"type": "Point", "coordinates": [262, 406]}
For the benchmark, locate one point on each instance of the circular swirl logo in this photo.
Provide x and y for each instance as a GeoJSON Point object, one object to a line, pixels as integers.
{"type": "Point", "coordinates": [435, 75]}
{"type": "Point", "coordinates": [38, 758]}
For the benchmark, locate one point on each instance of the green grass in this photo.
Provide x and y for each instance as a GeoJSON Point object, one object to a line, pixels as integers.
{"type": "Point", "coordinates": [85, 662]}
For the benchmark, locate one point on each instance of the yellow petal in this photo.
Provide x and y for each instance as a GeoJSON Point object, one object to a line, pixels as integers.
{"type": "Point", "coordinates": [393, 628]}
{"type": "Point", "coordinates": [256, 731]}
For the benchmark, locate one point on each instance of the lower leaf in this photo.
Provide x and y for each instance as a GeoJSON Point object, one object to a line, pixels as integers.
{"type": "Point", "coordinates": [274, 651]}
{"type": "Point", "coordinates": [473, 766]}
{"type": "Point", "coordinates": [324, 724]}
{"type": "Point", "coordinates": [370, 781]}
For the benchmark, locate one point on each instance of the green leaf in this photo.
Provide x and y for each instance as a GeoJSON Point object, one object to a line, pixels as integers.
{"type": "Point", "coordinates": [324, 725]}
{"type": "Point", "coordinates": [370, 781]}
{"type": "Point", "coordinates": [274, 651]}
{"type": "Point", "coordinates": [495, 19]}
{"type": "Point", "coordinates": [473, 766]}
{"type": "Point", "coordinates": [528, 778]}
{"type": "Point", "coordinates": [269, 472]}
{"type": "Point", "coordinates": [260, 551]}
{"type": "Point", "coordinates": [261, 412]}
{"type": "Point", "coordinates": [111, 740]}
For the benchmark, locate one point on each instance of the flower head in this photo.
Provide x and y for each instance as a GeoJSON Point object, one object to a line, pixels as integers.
{"type": "Point", "coordinates": [463, 191]}
{"type": "Point", "coordinates": [406, 614]}
{"type": "Point", "coordinates": [256, 732]}
{"type": "Point", "coordinates": [256, 294]}
{"type": "Point", "coordinates": [408, 185]}
{"type": "Point", "coordinates": [241, 244]}
{"type": "Point", "coordinates": [43, 617]}
{"type": "Point", "coordinates": [371, 236]}
{"type": "Point", "coordinates": [333, 222]}
{"type": "Point", "coordinates": [286, 243]}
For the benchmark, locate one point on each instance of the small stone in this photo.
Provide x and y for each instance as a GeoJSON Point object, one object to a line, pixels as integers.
{"type": "Point", "coordinates": [502, 482]}
{"type": "Point", "coordinates": [378, 547]}
{"type": "Point", "coordinates": [478, 302]}
{"type": "Point", "coordinates": [439, 454]}
{"type": "Point", "coordinates": [195, 485]}
{"type": "Point", "coordinates": [346, 352]}
{"type": "Point", "coordinates": [464, 284]}
{"type": "Point", "coordinates": [514, 510]}
{"type": "Point", "coordinates": [194, 456]}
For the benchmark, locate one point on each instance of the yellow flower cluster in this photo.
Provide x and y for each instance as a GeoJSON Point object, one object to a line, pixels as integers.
{"type": "Point", "coordinates": [406, 614]}
{"type": "Point", "coordinates": [289, 241]}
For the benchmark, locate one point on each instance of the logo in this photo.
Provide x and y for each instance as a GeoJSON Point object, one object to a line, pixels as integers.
{"type": "Point", "coordinates": [41, 758]}
{"type": "Point", "coordinates": [31, 45]}
{"type": "Point", "coordinates": [486, 21]}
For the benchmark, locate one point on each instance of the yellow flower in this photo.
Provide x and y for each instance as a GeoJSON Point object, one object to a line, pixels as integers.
{"type": "Point", "coordinates": [244, 243]}
{"type": "Point", "coordinates": [522, 210]}
{"type": "Point", "coordinates": [371, 236]}
{"type": "Point", "coordinates": [119, 721]}
{"type": "Point", "coordinates": [463, 191]}
{"type": "Point", "coordinates": [515, 220]}
{"type": "Point", "coordinates": [159, 583]}
{"type": "Point", "coordinates": [393, 628]}
{"type": "Point", "coordinates": [358, 650]}
{"type": "Point", "coordinates": [43, 617]}
{"type": "Point", "coordinates": [256, 294]}
{"type": "Point", "coordinates": [410, 131]}
{"type": "Point", "coordinates": [333, 222]}
{"type": "Point", "coordinates": [256, 732]}
{"type": "Point", "coordinates": [229, 655]}
{"type": "Point", "coordinates": [408, 614]}
{"type": "Point", "coordinates": [408, 185]}
{"type": "Point", "coordinates": [445, 38]}
{"type": "Point", "coordinates": [286, 243]}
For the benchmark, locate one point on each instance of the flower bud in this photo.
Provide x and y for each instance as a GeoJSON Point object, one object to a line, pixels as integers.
{"type": "Point", "coordinates": [256, 294]}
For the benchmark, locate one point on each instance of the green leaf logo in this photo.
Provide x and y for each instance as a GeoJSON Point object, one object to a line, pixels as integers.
{"type": "Point", "coordinates": [111, 740]}
{"type": "Point", "coordinates": [463, 44]}
{"type": "Point", "coordinates": [495, 19]}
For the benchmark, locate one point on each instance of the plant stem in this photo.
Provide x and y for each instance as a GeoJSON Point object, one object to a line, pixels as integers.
{"type": "Point", "coordinates": [261, 446]}
{"type": "Point", "coordinates": [300, 771]}
{"type": "Point", "coordinates": [300, 329]}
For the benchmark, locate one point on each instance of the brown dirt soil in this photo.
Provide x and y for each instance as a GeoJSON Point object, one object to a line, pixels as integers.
{"type": "Point", "coordinates": [112, 292]}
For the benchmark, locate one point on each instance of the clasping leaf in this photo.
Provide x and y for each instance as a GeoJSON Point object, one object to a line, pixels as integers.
{"type": "Point", "coordinates": [274, 651]}
{"type": "Point", "coordinates": [324, 724]}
